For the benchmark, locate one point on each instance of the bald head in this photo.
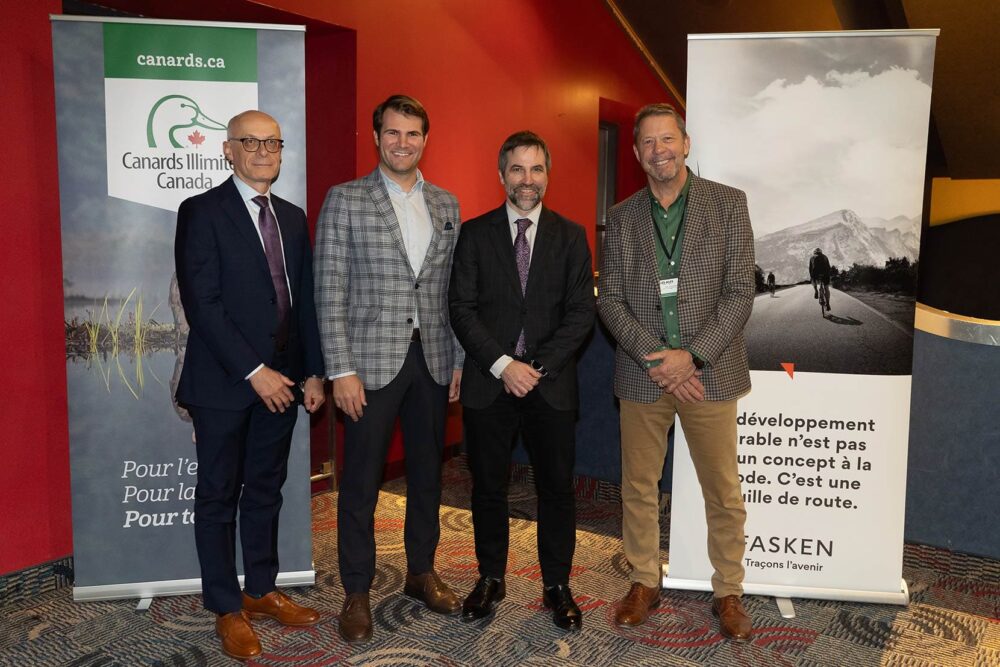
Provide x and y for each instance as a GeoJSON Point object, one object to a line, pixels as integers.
{"type": "Point", "coordinates": [258, 168]}
{"type": "Point", "coordinates": [235, 127]}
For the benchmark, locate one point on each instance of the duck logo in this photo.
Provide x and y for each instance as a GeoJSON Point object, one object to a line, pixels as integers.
{"type": "Point", "coordinates": [176, 121]}
{"type": "Point", "coordinates": [164, 138]}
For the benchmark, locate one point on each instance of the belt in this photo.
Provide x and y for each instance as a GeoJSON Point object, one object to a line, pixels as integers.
{"type": "Point", "coordinates": [415, 337]}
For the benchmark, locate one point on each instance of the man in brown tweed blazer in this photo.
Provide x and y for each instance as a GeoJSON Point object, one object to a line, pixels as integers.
{"type": "Point", "coordinates": [676, 289]}
{"type": "Point", "coordinates": [384, 246]}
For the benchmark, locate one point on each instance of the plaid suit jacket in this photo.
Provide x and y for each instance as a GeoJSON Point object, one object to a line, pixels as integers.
{"type": "Point", "coordinates": [366, 292]}
{"type": "Point", "coordinates": [715, 293]}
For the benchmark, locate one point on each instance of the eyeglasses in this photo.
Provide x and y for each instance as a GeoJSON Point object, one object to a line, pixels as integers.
{"type": "Point", "coordinates": [252, 144]}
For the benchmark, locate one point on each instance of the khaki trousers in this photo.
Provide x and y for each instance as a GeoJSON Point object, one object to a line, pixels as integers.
{"type": "Point", "coordinates": [710, 429]}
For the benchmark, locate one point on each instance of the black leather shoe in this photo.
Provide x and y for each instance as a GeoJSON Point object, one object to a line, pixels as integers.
{"type": "Point", "coordinates": [486, 593]}
{"type": "Point", "coordinates": [565, 613]}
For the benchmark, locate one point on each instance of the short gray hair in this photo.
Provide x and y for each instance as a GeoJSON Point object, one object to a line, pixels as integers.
{"type": "Point", "coordinates": [656, 109]}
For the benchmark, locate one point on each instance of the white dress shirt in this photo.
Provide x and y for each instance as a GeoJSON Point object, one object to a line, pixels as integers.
{"type": "Point", "coordinates": [512, 217]}
{"type": "Point", "coordinates": [414, 222]}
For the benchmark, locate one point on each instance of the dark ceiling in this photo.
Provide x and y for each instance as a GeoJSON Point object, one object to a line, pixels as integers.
{"type": "Point", "coordinates": [965, 107]}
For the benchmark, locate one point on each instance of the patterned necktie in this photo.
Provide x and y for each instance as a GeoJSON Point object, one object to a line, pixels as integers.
{"type": "Point", "coordinates": [522, 252]}
{"type": "Point", "coordinates": [276, 262]}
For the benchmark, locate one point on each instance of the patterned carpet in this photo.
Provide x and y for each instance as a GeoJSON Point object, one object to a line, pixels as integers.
{"type": "Point", "coordinates": [951, 622]}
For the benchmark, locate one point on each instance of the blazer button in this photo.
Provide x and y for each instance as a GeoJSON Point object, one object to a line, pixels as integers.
{"type": "Point", "coordinates": [273, 300]}
{"type": "Point", "coordinates": [658, 307]}
{"type": "Point", "coordinates": [272, 336]}
{"type": "Point", "coordinates": [416, 286]}
{"type": "Point", "coordinates": [663, 339]}
{"type": "Point", "coordinates": [409, 320]}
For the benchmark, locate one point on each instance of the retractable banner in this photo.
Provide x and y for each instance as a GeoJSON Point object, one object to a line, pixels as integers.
{"type": "Point", "coordinates": [141, 110]}
{"type": "Point", "coordinates": [827, 134]}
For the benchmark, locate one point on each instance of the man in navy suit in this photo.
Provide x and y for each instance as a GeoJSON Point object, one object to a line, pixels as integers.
{"type": "Point", "coordinates": [522, 303]}
{"type": "Point", "coordinates": [244, 268]}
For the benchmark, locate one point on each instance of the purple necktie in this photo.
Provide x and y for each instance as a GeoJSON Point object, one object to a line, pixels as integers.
{"type": "Point", "coordinates": [522, 253]}
{"type": "Point", "coordinates": [276, 262]}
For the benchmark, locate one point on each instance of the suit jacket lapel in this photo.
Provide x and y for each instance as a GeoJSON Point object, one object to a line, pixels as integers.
{"type": "Point", "coordinates": [283, 212]}
{"type": "Point", "coordinates": [437, 217]}
{"type": "Point", "coordinates": [380, 198]}
{"type": "Point", "coordinates": [641, 219]}
{"type": "Point", "coordinates": [500, 227]}
{"type": "Point", "coordinates": [544, 245]}
{"type": "Point", "coordinates": [236, 209]}
{"type": "Point", "coordinates": [694, 219]}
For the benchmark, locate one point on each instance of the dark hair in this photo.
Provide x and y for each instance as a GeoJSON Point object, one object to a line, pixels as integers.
{"type": "Point", "coordinates": [657, 109]}
{"type": "Point", "coordinates": [403, 104]}
{"type": "Point", "coordinates": [521, 139]}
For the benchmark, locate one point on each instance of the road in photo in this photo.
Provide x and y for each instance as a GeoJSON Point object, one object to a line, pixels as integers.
{"type": "Point", "coordinates": [852, 338]}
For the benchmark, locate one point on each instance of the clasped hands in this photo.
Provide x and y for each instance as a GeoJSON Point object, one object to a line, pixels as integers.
{"type": "Point", "coordinates": [275, 390]}
{"type": "Point", "coordinates": [677, 375]}
{"type": "Point", "coordinates": [519, 378]}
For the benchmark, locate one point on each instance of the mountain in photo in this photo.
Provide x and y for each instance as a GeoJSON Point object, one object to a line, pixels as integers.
{"type": "Point", "coordinates": [844, 237]}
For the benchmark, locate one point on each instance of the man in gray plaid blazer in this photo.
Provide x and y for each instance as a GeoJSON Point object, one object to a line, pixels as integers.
{"type": "Point", "coordinates": [676, 289]}
{"type": "Point", "coordinates": [384, 247]}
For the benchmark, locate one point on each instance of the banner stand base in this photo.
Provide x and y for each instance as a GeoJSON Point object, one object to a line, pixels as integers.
{"type": "Point", "coordinates": [143, 604]}
{"type": "Point", "coordinates": [147, 590]}
{"type": "Point", "coordinates": [902, 597]}
{"type": "Point", "coordinates": [785, 607]}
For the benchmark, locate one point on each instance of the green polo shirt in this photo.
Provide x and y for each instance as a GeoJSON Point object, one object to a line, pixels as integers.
{"type": "Point", "coordinates": [668, 237]}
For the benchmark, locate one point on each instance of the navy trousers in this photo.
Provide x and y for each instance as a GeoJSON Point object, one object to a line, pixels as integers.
{"type": "Point", "coordinates": [242, 464]}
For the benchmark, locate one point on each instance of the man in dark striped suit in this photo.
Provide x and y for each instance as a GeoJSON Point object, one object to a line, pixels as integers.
{"type": "Point", "coordinates": [676, 290]}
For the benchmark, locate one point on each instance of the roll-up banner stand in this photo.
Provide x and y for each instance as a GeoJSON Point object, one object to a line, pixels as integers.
{"type": "Point", "coordinates": [827, 134]}
{"type": "Point", "coordinates": [141, 110]}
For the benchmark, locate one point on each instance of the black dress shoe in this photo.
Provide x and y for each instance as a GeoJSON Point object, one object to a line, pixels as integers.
{"type": "Point", "coordinates": [565, 613]}
{"type": "Point", "coordinates": [486, 593]}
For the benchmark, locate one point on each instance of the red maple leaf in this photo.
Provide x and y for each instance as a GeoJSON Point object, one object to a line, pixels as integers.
{"type": "Point", "coordinates": [197, 138]}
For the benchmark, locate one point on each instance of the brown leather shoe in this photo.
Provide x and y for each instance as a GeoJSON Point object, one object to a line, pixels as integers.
{"type": "Point", "coordinates": [238, 638]}
{"type": "Point", "coordinates": [280, 607]}
{"type": "Point", "coordinates": [429, 589]}
{"type": "Point", "coordinates": [734, 621]}
{"type": "Point", "coordinates": [356, 618]}
{"type": "Point", "coordinates": [635, 606]}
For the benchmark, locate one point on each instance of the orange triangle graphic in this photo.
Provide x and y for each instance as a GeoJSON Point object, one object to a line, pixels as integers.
{"type": "Point", "coordinates": [789, 368]}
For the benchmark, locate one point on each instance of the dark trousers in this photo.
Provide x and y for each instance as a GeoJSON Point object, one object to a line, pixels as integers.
{"type": "Point", "coordinates": [549, 436]}
{"type": "Point", "coordinates": [242, 462]}
{"type": "Point", "coordinates": [421, 405]}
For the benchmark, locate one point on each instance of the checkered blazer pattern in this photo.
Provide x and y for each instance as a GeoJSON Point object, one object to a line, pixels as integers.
{"type": "Point", "coordinates": [366, 292]}
{"type": "Point", "coordinates": [715, 293]}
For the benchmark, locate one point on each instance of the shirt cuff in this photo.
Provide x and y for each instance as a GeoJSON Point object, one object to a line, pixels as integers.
{"type": "Point", "coordinates": [497, 368]}
{"type": "Point", "coordinates": [342, 375]}
{"type": "Point", "coordinates": [253, 372]}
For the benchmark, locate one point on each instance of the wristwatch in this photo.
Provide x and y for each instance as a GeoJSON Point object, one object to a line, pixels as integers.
{"type": "Point", "coordinates": [538, 367]}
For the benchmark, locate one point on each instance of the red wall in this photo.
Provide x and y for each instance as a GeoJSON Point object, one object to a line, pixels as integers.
{"type": "Point", "coordinates": [34, 475]}
{"type": "Point", "coordinates": [486, 69]}
{"type": "Point", "coordinates": [482, 69]}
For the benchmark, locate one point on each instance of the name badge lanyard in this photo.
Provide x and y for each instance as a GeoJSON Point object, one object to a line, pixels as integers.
{"type": "Point", "coordinates": [669, 252]}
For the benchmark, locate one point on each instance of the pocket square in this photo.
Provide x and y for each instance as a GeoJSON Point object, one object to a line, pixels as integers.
{"type": "Point", "coordinates": [448, 226]}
